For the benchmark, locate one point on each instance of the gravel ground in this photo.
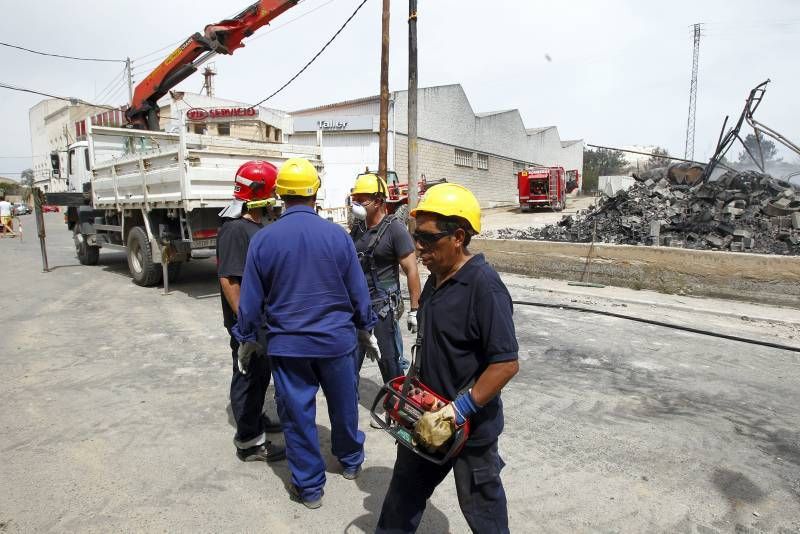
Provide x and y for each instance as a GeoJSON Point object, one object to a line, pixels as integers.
{"type": "Point", "coordinates": [115, 414]}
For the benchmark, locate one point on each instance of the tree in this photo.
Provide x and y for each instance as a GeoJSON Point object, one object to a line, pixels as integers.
{"type": "Point", "coordinates": [27, 178]}
{"type": "Point", "coordinates": [656, 161]}
{"type": "Point", "coordinates": [600, 162]}
{"type": "Point", "coordinates": [768, 150]}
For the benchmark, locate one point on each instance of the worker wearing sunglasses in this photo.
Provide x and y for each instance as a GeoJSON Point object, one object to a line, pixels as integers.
{"type": "Point", "coordinates": [466, 351]}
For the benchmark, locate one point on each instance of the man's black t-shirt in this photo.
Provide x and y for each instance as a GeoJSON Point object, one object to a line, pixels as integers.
{"type": "Point", "coordinates": [233, 239]}
{"type": "Point", "coordinates": [396, 243]}
{"type": "Point", "coordinates": [467, 324]}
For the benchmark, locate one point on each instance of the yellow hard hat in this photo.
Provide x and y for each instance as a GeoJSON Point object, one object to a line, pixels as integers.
{"type": "Point", "coordinates": [451, 200]}
{"type": "Point", "coordinates": [297, 177]}
{"type": "Point", "coordinates": [369, 184]}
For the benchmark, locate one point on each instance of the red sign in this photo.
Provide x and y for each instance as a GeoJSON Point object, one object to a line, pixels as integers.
{"type": "Point", "coordinates": [199, 114]}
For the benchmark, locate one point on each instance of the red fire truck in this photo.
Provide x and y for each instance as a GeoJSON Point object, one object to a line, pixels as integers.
{"type": "Point", "coordinates": [542, 187]}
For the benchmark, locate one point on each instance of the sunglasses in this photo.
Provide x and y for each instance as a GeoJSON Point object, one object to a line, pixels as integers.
{"type": "Point", "coordinates": [427, 239]}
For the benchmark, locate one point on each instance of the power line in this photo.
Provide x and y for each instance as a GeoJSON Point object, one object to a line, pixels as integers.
{"type": "Point", "coordinates": [4, 85]}
{"type": "Point", "coordinates": [62, 56]}
{"type": "Point", "coordinates": [313, 59]}
{"type": "Point", "coordinates": [276, 28]}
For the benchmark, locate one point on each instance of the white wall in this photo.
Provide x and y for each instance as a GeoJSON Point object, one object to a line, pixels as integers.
{"type": "Point", "coordinates": [345, 156]}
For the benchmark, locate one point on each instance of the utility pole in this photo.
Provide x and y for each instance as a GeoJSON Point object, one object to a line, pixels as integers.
{"type": "Point", "coordinates": [689, 151]}
{"type": "Point", "coordinates": [383, 134]}
{"type": "Point", "coordinates": [413, 149]}
{"type": "Point", "coordinates": [130, 79]}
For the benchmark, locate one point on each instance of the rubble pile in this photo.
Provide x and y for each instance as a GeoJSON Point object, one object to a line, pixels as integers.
{"type": "Point", "coordinates": [741, 211]}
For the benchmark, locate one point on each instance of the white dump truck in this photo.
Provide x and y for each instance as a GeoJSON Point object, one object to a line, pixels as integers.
{"type": "Point", "coordinates": [155, 195]}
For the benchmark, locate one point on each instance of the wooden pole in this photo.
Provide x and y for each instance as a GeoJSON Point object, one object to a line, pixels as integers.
{"type": "Point", "coordinates": [413, 149]}
{"type": "Point", "coordinates": [383, 134]}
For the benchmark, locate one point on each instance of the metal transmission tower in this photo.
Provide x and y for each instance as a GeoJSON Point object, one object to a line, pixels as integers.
{"type": "Point", "coordinates": [208, 76]}
{"type": "Point", "coordinates": [689, 152]}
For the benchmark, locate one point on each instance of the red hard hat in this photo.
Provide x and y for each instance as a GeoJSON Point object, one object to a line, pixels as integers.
{"type": "Point", "coordinates": [255, 180]}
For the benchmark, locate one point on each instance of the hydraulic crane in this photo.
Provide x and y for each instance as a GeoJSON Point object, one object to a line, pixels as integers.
{"type": "Point", "coordinates": [224, 37]}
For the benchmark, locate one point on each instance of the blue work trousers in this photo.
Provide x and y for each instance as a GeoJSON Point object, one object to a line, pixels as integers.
{"type": "Point", "coordinates": [390, 341]}
{"type": "Point", "coordinates": [297, 381]}
{"type": "Point", "coordinates": [247, 398]}
{"type": "Point", "coordinates": [480, 491]}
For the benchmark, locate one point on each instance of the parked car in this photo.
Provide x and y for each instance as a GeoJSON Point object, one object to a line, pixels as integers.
{"type": "Point", "coordinates": [46, 208]}
{"type": "Point", "coordinates": [22, 209]}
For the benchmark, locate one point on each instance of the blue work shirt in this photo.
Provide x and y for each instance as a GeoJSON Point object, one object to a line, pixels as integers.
{"type": "Point", "coordinates": [467, 324]}
{"type": "Point", "coordinates": [303, 278]}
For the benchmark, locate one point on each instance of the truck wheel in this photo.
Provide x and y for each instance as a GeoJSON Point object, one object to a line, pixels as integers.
{"type": "Point", "coordinates": [558, 206]}
{"type": "Point", "coordinates": [402, 213]}
{"type": "Point", "coordinates": [144, 271]}
{"type": "Point", "coordinates": [87, 254]}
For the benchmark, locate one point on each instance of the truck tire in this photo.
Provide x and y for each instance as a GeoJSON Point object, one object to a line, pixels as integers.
{"type": "Point", "coordinates": [87, 254]}
{"type": "Point", "coordinates": [402, 214]}
{"type": "Point", "coordinates": [144, 271]}
{"type": "Point", "coordinates": [558, 206]}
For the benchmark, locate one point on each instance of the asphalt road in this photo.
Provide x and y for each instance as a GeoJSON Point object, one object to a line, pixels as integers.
{"type": "Point", "coordinates": [115, 417]}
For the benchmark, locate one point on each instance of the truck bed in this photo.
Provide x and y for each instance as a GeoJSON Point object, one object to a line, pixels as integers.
{"type": "Point", "coordinates": [143, 169]}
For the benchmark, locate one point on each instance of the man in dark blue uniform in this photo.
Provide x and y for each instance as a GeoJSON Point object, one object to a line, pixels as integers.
{"type": "Point", "coordinates": [302, 276]}
{"type": "Point", "coordinates": [253, 187]}
{"type": "Point", "coordinates": [384, 247]}
{"type": "Point", "coordinates": [468, 353]}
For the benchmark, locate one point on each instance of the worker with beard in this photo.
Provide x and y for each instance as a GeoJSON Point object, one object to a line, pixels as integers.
{"type": "Point", "coordinates": [302, 278]}
{"type": "Point", "coordinates": [253, 191]}
{"type": "Point", "coordinates": [384, 247]}
{"type": "Point", "coordinates": [467, 353]}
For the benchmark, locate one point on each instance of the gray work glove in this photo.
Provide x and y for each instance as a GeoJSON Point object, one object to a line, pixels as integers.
{"type": "Point", "coordinates": [247, 350]}
{"type": "Point", "coordinates": [412, 321]}
{"type": "Point", "coordinates": [368, 344]}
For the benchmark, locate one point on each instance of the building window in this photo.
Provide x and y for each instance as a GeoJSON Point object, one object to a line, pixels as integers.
{"type": "Point", "coordinates": [463, 158]}
{"type": "Point", "coordinates": [483, 162]}
{"type": "Point", "coordinates": [224, 128]}
{"type": "Point", "coordinates": [200, 128]}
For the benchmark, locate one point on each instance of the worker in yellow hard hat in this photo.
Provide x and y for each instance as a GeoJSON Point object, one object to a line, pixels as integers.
{"type": "Point", "coordinates": [303, 282]}
{"type": "Point", "coordinates": [384, 246]}
{"type": "Point", "coordinates": [467, 353]}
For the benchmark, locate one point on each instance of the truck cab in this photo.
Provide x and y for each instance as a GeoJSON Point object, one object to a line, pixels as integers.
{"type": "Point", "coordinates": [79, 169]}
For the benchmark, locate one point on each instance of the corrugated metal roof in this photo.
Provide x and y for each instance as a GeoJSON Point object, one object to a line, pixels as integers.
{"type": "Point", "coordinates": [534, 131]}
{"type": "Point", "coordinates": [490, 113]}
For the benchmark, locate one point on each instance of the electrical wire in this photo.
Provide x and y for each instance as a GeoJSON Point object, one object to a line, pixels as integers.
{"type": "Point", "coordinates": [4, 85]}
{"type": "Point", "coordinates": [153, 53]}
{"type": "Point", "coordinates": [62, 56]}
{"type": "Point", "coordinates": [313, 59]}
{"type": "Point", "coordinates": [276, 28]}
{"type": "Point", "coordinates": [660, 323]}
{"type": "Point", "coordinates": [119, 78]}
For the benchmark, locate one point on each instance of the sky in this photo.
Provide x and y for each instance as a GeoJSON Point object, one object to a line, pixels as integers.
{"type": "Point", "coordinates": [612, 73]}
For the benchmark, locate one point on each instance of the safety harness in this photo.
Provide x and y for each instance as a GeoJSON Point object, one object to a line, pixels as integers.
{"type": "Point", "coordinates": [383, 300]}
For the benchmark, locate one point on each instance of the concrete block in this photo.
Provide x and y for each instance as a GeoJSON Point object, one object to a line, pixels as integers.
{"type": "Point", "coordinates": [737, 246]}
{"type": "Point", "coordinates": [748, 242]}
{"type": "Point", "coordinates": [796, 220]}
{"type": "Point", "coordinates": [742, 232]}
{"type": "Point", "coordinates": [714, 240]}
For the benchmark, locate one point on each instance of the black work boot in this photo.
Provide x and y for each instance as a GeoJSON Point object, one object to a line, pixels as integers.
{"type": "Point", "coordinates": [268, 452]}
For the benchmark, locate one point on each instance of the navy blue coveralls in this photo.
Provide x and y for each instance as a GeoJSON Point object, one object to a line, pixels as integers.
{"type": "Point", "coordinates": [303, 277]}
{"type": "Point", "coordinates": [247, 391]}
{"type": "Point", "coordinates": [467, 324]}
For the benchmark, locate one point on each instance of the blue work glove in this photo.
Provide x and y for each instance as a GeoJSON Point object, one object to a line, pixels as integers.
{"type": "Point", "coordinates": [465, 407]}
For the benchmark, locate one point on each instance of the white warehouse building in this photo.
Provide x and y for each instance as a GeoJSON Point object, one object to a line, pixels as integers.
{"type": "Point", "coordinates": [482, 151]}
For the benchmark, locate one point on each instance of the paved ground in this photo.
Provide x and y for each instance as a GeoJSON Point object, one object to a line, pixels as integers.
{"type": "Point", "coordinates": [115, 414]}
{"type": "Point", "coordinates": [511, 217]}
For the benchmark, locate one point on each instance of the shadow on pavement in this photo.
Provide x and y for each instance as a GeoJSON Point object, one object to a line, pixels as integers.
{"type": "Point", "coordinates": [198, 278]}
{"type": "Point", "coordinates": [375, 482]}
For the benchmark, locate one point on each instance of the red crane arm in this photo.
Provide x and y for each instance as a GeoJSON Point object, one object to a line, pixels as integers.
{"type": "Point", "coordinates": [223, 37]}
